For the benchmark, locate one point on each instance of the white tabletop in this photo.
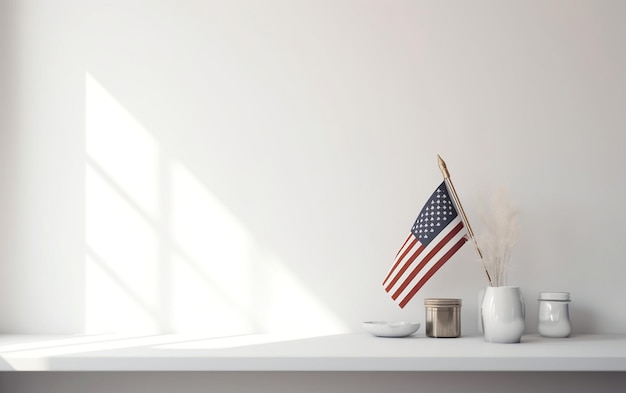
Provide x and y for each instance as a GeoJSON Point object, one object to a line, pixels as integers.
{"type": "Point", "coordinates": [350, 352]}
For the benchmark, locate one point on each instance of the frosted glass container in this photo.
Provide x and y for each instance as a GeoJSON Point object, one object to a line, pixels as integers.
{"type": "Point", "coordinates": [553, 319]}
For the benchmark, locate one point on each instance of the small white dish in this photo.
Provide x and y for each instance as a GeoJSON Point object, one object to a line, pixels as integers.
{"type": "Point", "coordinates": [391, 329]}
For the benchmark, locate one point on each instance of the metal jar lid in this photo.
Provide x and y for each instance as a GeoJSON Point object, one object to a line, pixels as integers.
{"type": "Point", "coordinates": [554, 296]}
{"type": "Point", "coordinates": [441, 302]}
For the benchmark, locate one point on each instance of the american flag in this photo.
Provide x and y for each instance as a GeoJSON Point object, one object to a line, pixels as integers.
{"type": "Point", "coordinates": [437, 234]}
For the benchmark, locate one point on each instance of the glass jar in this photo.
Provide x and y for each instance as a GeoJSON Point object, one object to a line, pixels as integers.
{"type": "Point", "coordinates": [553, 319]}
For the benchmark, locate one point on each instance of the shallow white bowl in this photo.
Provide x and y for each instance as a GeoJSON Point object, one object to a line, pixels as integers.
{"type": "Point", "coordinates": [390, 328]}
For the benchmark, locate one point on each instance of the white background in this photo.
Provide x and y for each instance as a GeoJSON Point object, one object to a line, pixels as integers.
{"type": "Point", "coordinates": [234, 167]}
{"type": "Point", "coordinates": [306, 135]}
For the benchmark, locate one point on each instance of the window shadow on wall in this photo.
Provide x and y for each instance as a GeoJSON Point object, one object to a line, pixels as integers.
{"type": "Point", "coordinates": [163, 254]}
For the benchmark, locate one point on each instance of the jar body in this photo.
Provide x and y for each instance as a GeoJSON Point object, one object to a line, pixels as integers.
{"type": "Point", "coordinates": [553, 316]}
{"type": "Point", "coordinates": [553, 319]}
{"type": "Point", "coordinates": [443, 318]}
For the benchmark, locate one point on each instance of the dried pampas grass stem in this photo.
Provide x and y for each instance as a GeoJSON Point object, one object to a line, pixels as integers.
{"type": "Point", "coordinates": [498, 236]}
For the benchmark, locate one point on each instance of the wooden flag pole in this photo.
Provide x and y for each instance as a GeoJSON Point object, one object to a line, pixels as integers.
{"type": "Point", "coordinates": [457, 203]}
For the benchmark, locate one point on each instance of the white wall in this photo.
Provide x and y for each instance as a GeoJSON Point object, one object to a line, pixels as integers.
{"type": "Point", "coordinates": [246, 166]}
{"type": "Point", "coordinates": [42, 226]}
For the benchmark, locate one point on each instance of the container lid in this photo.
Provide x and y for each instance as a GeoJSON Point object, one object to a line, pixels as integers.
{"type": "Point", "coordinates": [442, 302]}
{"type": "Point", "coordinates": [558, 296]}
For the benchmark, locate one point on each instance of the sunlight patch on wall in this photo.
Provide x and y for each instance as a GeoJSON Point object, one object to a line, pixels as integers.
{"type": "Point", "coordinates": [121, 199]}
{"type": "Point", "coordinates": [212, 259]}
{"type": "Point", "coordinates": [119, 145]}
{"type": "Point", "coordinates": [291, 309]}
{"type": "Point", "coordinates": [219, 269]}
{"type": "Point", "coordinates": [166, 255]}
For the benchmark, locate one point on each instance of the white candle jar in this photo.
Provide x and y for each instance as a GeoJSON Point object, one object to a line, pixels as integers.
{"type": "Point", "coordinates": [553, 319]}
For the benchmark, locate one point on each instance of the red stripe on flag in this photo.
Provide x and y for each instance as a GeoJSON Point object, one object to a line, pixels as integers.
{"type": "Point", "coordinates": [432, 271]}
{"type": "Point", "coordinates": [427, 259]}
{"type": "Point", "coordinates": [407, 263]}
{"type": "Point", "coordinates": [399, 259]}
{"type": "Point", "coordinates": [405, 242]}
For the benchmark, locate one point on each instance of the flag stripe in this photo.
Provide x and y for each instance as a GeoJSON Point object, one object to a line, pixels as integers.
{"type": "Point", "coordinates": [432, 271]}
{"type": "Point", "coordinates": [407, 263]}
{"type": "Point", "coordinates": [397, 262]}
{"type": "Point", "coordinates": [404, 244]}
{"type": "Point", "coordinates": [427, 259]}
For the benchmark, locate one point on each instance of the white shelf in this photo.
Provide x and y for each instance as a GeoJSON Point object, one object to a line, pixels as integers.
{"type": "Point", "coordinates": [351, 352]}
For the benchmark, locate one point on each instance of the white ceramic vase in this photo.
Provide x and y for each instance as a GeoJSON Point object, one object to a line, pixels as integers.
{"type": "Point", "coordinates": [503, 313]}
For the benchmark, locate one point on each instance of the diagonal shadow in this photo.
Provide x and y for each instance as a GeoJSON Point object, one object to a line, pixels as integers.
{"type": "Point", "coordinates": [162, 313]}
{"type": "Point", "coordinates": [121, 284]}
{"type": "Point", "coordinates": [215, 286]}
{"type": "Point", "coordinates": [273, 298]}
{"type": "Point", "coordinates": [91, 163]}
